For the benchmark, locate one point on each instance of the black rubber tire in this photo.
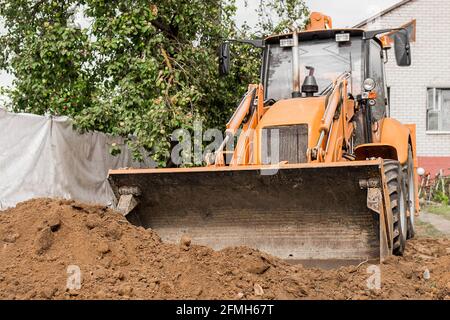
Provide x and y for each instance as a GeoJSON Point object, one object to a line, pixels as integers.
{"type": "Point", "coordinates": [394, 180]}
{"type": "Point", "coordinates": [407, 169]}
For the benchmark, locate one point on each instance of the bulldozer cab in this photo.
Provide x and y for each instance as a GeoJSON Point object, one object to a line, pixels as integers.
{"type": "Point", "coordinates": [328, 57]}
{"type": "Point", "coordinates": [291, 61]}
{"type": "Point", "coordinates": [330, 53]}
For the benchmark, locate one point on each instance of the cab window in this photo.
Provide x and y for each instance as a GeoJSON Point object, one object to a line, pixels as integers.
{"type": "Point", "coordinates": [375, 71]}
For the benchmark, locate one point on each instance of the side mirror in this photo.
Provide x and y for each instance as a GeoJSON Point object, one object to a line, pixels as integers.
{"type": "Point", "coordinates": [224, 58]}
{"type": "Point", "coordinates": [402, 48]}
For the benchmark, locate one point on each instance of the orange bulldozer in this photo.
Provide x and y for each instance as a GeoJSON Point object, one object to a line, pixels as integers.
{"type": "Point", "coordinates": [320, 173]}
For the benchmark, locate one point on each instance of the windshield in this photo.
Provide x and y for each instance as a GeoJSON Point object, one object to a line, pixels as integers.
{"type": "Point", "coordinates": [328, 57]}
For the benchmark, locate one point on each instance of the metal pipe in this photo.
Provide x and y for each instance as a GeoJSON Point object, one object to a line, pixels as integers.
{"type": "Point", "coordinates": [327, 119]}
{"type": "Point", "coordinates": [320, 141]}
{"type": "Point", "coordinates": [295, 66]}
{"type": "Point", "coordinates": [219, 151]}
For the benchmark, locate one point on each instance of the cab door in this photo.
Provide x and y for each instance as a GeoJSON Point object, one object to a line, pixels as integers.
{"type": "Point", "coordinates": [375, 70]}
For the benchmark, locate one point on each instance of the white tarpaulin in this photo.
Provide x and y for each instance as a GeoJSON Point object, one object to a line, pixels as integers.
{"type": "Point", "coordinates": [44, 156]}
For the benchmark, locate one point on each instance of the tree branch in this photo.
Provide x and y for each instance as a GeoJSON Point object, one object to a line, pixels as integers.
{"type": "Point", "coordinates": [165, 28]}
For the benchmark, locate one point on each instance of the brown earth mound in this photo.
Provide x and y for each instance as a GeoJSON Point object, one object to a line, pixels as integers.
{"type": "Point", "coordinates": [40, 239]}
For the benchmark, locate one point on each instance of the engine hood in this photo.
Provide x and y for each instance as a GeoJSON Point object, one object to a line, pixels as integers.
{"type": "Point", "coordinates": [291, 112]}
{"type": "Point", "coordinates": [295, 111]}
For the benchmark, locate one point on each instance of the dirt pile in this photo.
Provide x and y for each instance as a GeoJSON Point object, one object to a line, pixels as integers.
{"type": "Point", "coordinates": [43, 242]}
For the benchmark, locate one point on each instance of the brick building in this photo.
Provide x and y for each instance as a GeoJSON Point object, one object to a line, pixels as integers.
{"type": "Point", "coordinates": [420, 94]}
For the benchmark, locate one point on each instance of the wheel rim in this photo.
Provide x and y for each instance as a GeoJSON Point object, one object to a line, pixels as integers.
{"type": "Point", "coordinates": [402, 211]}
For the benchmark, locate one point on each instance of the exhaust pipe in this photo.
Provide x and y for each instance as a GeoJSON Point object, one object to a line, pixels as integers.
{"type": "Point", "coordinates": [296, 93]}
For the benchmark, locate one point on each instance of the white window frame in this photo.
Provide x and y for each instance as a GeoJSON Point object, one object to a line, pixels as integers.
{"type": "Point", "coordinates": [435, 108]}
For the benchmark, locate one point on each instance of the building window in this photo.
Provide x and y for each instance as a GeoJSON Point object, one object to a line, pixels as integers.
{"type": "Point", "coordinates": [438, 110]}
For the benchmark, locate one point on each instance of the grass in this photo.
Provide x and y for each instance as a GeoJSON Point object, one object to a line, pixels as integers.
{"type": "Point", "coordinates": [425, 229]}
{"type": "Point", "coordinates": [439, 209]}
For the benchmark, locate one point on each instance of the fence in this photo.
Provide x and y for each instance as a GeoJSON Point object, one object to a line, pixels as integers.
{"type": "Point", "coordinates": [43, 156]}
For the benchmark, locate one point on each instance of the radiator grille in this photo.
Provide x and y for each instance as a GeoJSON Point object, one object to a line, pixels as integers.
{"type": "Point", "coordinates": [292, 143]}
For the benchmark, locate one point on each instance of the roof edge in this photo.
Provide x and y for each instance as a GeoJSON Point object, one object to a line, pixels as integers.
{"type": "Point", "coordinates": [382, 13]}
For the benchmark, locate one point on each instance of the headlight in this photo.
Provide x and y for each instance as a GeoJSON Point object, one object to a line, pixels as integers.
{"type": "Point", "coordinates": [369, 84]}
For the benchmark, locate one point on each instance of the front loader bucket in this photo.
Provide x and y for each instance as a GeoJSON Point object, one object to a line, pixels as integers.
{"type": "Point", "coordinates": [312, 214]}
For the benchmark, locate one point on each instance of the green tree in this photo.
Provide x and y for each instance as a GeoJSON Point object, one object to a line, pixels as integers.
{"type": "Point", "coordinates": [141, 69]}
{"type": "Point", "coordinates": [282, 15]}
{"type": "Point", "coordinates": [47, 55]}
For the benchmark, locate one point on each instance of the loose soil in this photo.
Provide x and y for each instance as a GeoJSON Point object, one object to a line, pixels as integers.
{"type": "Point", "coordinates": [42, 242]}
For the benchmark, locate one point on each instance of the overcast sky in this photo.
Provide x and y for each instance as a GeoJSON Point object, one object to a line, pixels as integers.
{"type": "Point", "coordinates": [345, 13]}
